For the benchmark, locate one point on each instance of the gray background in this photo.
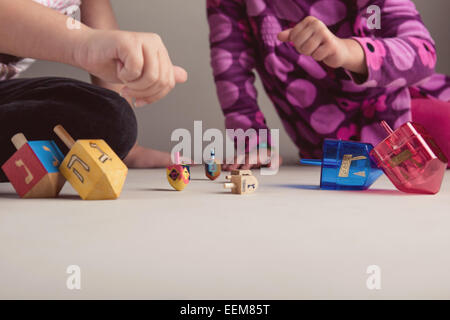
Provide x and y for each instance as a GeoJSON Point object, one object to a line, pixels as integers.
{"type": "Point", "coordinates": [183, 27]}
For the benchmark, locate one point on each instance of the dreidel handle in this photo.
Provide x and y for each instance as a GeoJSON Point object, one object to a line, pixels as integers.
{"type": "Point", "coordinates": [311, 162]}
{"type": "Point", "coordinates": [64, 136]}
{"type": "Point", "coordinates": [386, 127]}
{"type": "Point", "coordinates": [229, 185]}
{"type": "Point", "coordinates": [19, 140]}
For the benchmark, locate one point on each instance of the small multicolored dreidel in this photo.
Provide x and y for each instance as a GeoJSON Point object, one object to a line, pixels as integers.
{"type": "Point", "coordinates": [178, 174]}
{"type": "Point", "coordinates": [346, 165]}
{"type": "Point", "coordinates": [241, 182]}
{"type": "Point", "coordinates": [213, 168]}
{"type": "Point", "coordinates": [33, 169]}
{"type": "Point", "coordinates": [92, 168]}
{"type": "Point", "coordinates": [411, 159]}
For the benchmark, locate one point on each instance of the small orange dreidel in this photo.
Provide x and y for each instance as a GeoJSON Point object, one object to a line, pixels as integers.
{"type": "Point", "coordinates": [92, 167]}
{"type": "Point", "coordinates": [241, 182]}
{"type": "Point", "coordinates": [213, 168]}
{"type": "Point", "coordinates": [33, 169]}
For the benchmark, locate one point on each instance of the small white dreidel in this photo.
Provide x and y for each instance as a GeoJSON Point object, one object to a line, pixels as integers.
{"type": "Point", "coordinates": [241, 182]}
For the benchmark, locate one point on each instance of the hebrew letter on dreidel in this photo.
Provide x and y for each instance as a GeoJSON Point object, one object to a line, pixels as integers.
{"type": "Point", "coordinates": [72, 161]}
{"type": "Point", "coordinates": [344, 171]}
{"type": "Point", "coordinates": [56, 161]}
{"type": "Point", "coordinates": [29, 177]}
{"type": "Point", "coordinates": [104, 157]}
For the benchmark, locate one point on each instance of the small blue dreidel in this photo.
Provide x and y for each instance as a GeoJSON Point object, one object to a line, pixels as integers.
{"type": "Point", "coordinates": [213, 167]}
{"type": "Point", "coordinates": [346, 165]}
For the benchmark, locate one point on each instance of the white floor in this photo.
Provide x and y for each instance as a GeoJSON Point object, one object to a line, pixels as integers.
{"type": "Point", "coordinates": [287, 241]}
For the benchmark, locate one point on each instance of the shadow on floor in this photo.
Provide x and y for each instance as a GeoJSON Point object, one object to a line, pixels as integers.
{"type": "Point", "coordinates": [360, 192]}
{"type": "Point", "coordinates": [298, 186]}
{"type": "Point", "coordinates": [60, 197]}
{"type": "Point", "coordinates": [9, 196]}
{"type": "Point", "coordinates": [157, 189]}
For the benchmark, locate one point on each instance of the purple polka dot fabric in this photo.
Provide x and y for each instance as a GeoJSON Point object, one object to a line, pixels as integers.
{"type": "Point", "coordinates": [314, 101]}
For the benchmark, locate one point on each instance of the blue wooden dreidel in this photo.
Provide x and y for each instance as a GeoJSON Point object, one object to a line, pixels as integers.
{"type": "Point", "coordinates": [346, 165]}
{"type": "Point", "coordinates": [213, 167]}
{"type": "Point", "coordinates": [34, 169]}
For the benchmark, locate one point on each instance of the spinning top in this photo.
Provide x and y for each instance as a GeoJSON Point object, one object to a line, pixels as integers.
{"type": "Point", "coordinates": [346, 165]}
{"type": "Point", "coordinates": [212, 167]}
{"type": "Point", "coordinates": [178, 174]}
{"type": "Point", "coordinates": [92, 168]}
{"type": "Point", "coordinates": [34, 169]}
{"type": "Point", "coordinates": [241, 182]}
{"type": "Point", "coordinates": [411, 159]}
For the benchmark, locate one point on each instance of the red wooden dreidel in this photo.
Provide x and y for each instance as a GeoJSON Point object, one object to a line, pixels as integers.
{"type": "Point", "coordinates": [33, 169]}
{"type": "Point", "coordinates": [178, 174]}
{"type": "Point", "coordinates": [411, 159]}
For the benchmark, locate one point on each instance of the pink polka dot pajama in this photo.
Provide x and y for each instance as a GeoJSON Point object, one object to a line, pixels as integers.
{"type": "Point", "coordinates": [314, 101]}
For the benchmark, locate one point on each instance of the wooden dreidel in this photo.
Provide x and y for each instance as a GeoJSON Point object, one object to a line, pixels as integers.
{"type": "Point", "coordinates": [178, 174]}
{"type": "Point", "coordinates": [241, 182]}
{"type": "Point", "coordinates": [33, 169]}
{"type": "Point", "coordinates": [92, 168]}
{"type": "Point", "coordinates": [212, 167]}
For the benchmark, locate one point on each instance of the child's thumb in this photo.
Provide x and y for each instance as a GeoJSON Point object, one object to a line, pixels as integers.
{"type": "Point", "coordinates": [180, 74]}
{"type": "Point", "coordinates": [284, 35]}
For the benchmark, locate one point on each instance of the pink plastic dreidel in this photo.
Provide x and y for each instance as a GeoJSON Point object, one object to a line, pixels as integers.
{"type": "Point", "coordinates": [411, 159]}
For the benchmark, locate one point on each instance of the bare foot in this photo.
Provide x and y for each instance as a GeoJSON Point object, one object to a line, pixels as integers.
{"type": "Point", "coordinates": [140, 157]}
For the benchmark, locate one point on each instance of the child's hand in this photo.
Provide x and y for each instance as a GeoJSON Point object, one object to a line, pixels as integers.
{"type": "Point", "coordinates": [253, 160]}
{"type": "Point", "coordinates": [138, 60]}
{"type": "Point", "coordinates": [312, 37]}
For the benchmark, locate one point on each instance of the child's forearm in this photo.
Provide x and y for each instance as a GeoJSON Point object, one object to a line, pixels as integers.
{"type": "Point", "coordinates": [106, 21]}
{"type": "Point", "coordinates": [98, 14]}
{"type": "Point", "coordinates": [28, 29]}
{"type": "Point", "coordinates": [356, 61]}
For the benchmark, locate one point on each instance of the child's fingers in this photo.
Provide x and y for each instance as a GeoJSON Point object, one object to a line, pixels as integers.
{"type": "Point", "coordinates": [140, 94]}
{"type": "Point", "coordinates": [151, 71]}
{"type": "Point", "coordinates": [130, 66]}
{"type": "Point", "coordinates": [310, 45]}
{"type": "Point", "coordinates": [181, 75]}
{"type": "Point", "coordinates": [301, 27]}
{"type": "Point", "coordinates": [300, 38]}
{"type": "Point", "coordinates": [284, 35]}
{"type": "Point", "coordinates": [321, 53]}
{"type": "Point", "coordinates": [247, 166]}
{"type": "Point", "coordinates": [166, 80]}
{"type": "Point", "coordinates": [151, 99]}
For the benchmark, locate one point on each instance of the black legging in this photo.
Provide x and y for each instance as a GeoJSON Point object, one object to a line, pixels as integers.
{"type": "Point", "coordinates": [35, 106]}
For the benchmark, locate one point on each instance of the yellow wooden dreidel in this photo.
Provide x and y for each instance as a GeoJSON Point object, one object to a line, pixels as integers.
{"type": "Point", "coordinates": [33, 169]}
{"type": "Point", "coordinates": [178, 174]}
{"type": "Point", "coordinates": [241, 182]}
{"type": "Point", "coordinates": [92, 167]}
{"type": "Point", "coordinates": [213, 167]}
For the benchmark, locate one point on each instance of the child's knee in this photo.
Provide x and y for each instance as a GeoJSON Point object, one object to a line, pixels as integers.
{"type": "Point", "coordinates": [100, 114]}
{"type": "Point", "coordinates": [123, 135]}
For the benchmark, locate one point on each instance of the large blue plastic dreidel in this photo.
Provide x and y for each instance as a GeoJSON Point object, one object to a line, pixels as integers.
{"type": "Point", "coordinates": [346, 165]}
